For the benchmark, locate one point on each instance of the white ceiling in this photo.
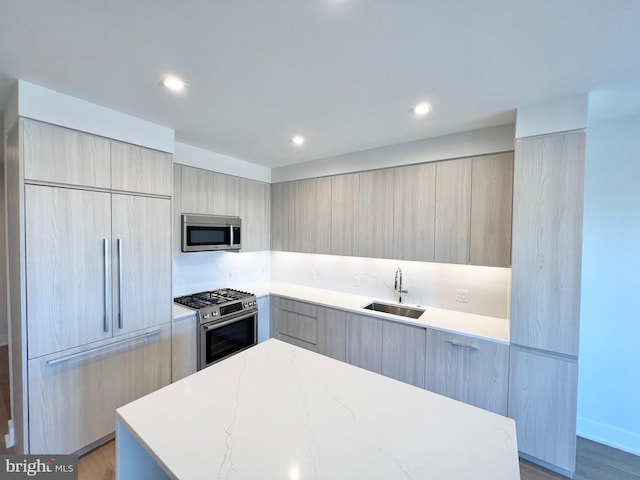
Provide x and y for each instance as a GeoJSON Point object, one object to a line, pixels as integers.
{"type": "Point", "coordinates": [343, 73]}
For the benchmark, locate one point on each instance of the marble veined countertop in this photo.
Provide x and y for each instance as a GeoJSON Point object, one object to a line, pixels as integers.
{"type": "Point", "coordinates": [276, 411]}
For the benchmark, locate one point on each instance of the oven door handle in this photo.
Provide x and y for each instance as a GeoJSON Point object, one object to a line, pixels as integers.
{"type": "Point", "coordinates": [227, 322]}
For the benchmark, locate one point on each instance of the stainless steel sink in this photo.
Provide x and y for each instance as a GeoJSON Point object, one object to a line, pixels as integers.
{"type": "Point", "coordinates": [399, 310]}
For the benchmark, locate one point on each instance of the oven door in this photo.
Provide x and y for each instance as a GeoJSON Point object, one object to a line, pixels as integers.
{"type": "Point", "coordinates": [221, 340]}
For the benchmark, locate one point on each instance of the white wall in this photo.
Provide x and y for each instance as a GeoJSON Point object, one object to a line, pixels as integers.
{"type": "Point", "coordinates": [429, 284]}
{"type": "Point", "coordinates": [609, 383]}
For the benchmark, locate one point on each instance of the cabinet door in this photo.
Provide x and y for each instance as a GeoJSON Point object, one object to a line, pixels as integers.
{"type": "Point", "coordinates": [453, 210]}
{"type": "Point", "coordinates": [60, 155]}
{"type": "Point", "coordinates": [364, 342]}
{"type": "Point", "coordinates": [139, 169]}
{"type": "Point", "coordinates": [283, 216]}
{"type": "Point", "coordinates": [468, 369]}
{"type": "Point", "coordinates": [375, 214]}
{"type": "Point", "coordinates": [491, 204]}
{"type": "Point", "coordinates": [542, 401]}
{"type": "Point", "coordinates": [344, 214]}
{"type": "Point", "coordinates": [67, 273]}
{"type": "Point", "coordinates": [403, 352]}
{"type": "Point", "coordinates": [313, 216]}
{"type": "Point", "coordinates": [414, 212]}
{"type": "Point", "coordinates": [197, 190]}
{"type": "Point", "coordinates": [255, 212]}
{"type": "Point", "coordinates": [225, 195]}
{"type": "Point", "coordinates": [141, 262]}
{"type": "Point", "coordinates": [547, 242]}
{"type": "Point", "coordinates": [332, 333]}
{"type": "Point", "coordinates": [297, 323]}
{"type": "Point", "coordinates": [184, 347]}
{"type": "Point", "coordinates": [73, 396]}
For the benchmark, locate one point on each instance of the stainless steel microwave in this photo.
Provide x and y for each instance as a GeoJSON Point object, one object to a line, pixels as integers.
{"type": "Point", "coordinates": [201, 233]}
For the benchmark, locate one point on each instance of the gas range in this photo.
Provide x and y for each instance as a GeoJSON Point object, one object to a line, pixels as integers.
{"type": "Point", "coordinates": [219, 304]}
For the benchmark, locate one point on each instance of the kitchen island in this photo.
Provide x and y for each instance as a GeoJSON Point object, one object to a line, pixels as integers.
{"type": "Point", "coordinates": [276, 411]}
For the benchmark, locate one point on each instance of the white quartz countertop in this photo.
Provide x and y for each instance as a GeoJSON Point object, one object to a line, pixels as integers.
{"type": "Point", "coordinates": [276, 411]}
{"type": "Point", "coordinates": [480, 326]}
{"type": "Point", "coordinates": [180, 312]}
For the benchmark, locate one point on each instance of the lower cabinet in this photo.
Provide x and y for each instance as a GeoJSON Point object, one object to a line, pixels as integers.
{"type": "Point", "coordinates": [468, 369]}
{"type": "Point", "coordinates": [364, 342]}
{"type": "Point", "coordinates": [332, 333]}
{"type": "Point", "coordinates": [296, 323]}
{"type": "Point", "coordinates": [544, 386]}
{"type": "Point", "coordinates": [184, 347]}
{"type": "Point", "coordinates": [73, 395]}
{"type": "Point", "coordinates": [403, 353]}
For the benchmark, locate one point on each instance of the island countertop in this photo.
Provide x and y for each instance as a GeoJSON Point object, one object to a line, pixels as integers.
{"type": "Point", "coordinates": [276, 411]}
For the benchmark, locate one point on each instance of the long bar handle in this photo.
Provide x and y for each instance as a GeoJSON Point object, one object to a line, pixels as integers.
{"type": "Point", "coordinates": [103, 347]}
{"type": "Point", "coordinates": [461, 345]}
{"type": "Point", "coordinates": [120, 304]}
{"type": "Point", "coordinates": [107, 298]}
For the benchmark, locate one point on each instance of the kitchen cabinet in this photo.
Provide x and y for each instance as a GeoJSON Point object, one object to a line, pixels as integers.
{"type": "Point", "coordinates": [543, 392]}
{"type": "Point", "coordinates": [60, 155]}
{"type": "Point", "coordinates": [294, 322]}
{"type": "Point", "coordinates": [468, 369]}
{"type": "Point", "coordinates": [547, 242]}
{"type": "Point", "coordinates": [344, 214]}
{"type": "Point", "coordinates": [140, 170]}
{"type": "Point", "coordinates": [73, 394]}
{"type": "Point", "coordinates": [453, 211]}
{"type": "Point", "coordinates": [255, 213]}
{"type": "Point", "coordinates": [491, 205]}
{"type": "Point", "coordinates": [364, 342]}
{"type": "Point", "coordinates": [375, 222]}
{"type": "Point", "coordinates": [332, 333]}
{"type": "Point", "coordinates": [184, 347]}
{"type": "Point", "coordinates": [414, 212]}
{"type": "Point", "coordinates": [403, 353]}
{"type": "Point", "coordinates": [90, 256]}
{"type": "Point", "coordinates": [209, 193]}
{"type": "Point", "coordinates": [283, 216]}
{"type": "Point", "coordinates": [312, 221]}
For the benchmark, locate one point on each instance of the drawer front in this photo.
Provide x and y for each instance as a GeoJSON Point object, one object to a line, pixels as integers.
{"type": "Point", "coordinates": [298, 326]}
{"type": "Point", "coordinates": [468, 369]}
{"type": "Point", "coordinates": [302, 308]}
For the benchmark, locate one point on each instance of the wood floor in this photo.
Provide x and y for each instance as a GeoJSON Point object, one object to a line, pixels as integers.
{"type": "Point", "coordinates": [594, 461]}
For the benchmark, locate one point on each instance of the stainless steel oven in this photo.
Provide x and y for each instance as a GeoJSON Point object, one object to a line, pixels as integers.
{"type": "Point", "coordinates": [228, 323]}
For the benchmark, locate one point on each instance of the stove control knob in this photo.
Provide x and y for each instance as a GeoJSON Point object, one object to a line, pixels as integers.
{"type": "Point", "coordinates": [205, 316]}
{"type": "Point", "coordinates": [215, 314]}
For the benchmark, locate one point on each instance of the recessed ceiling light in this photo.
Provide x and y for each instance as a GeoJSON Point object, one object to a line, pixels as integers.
{"type": "Point", "coordinates": [298, 140]}
{"type": "Point", "coordinates": [173, 83]}
{"type": "Point", "coordinates": [422, 109]}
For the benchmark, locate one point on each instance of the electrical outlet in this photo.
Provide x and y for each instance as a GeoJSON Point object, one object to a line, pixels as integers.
{"type": "Point", "coordinates": [314, 275]}
{"type": "Point", "coordinates": [462, 295]}
{"type": "Point", "coordinates": [231, 275]}
{"type": "Point", "coordinates": [356, 281]}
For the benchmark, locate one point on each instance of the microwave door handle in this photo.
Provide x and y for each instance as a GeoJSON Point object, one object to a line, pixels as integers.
{"type": "Point", "coordinates": [231, 236]}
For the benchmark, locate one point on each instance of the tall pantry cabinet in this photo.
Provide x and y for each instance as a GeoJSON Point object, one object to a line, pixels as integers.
{"type": "Point", "coordinates": [91, 279]}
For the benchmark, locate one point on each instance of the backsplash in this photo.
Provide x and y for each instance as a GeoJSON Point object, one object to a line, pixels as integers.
{"type": "Point", "coordinates": [428, 284]}
{"type": "Point", "coordinates": [200, 271]}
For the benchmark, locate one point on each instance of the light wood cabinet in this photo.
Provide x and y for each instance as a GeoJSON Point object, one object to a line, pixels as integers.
{"type": "Point", "coordinates": [60, 155]}
{"type": "Point", "coordinates": [140, 170]}
{"type": "Point", "coordinates": [468, 369]}
{"type": "Point", "coordinates": [313, 216]}
{"type": "Point", "coordinates": [542, 401]}
{"type": "Point", "coordinates": [73, 395]}
{"type": "Point", "coordinates": [453, 211]}
{"type": "Point", "coordinates": [296, 323]}
{"type": "Point", "coordinates": [375, 220]}
{"type": "Point", "coordinates": [255, 212]}
{"type": "Point", "coordinates": [184, 347]}
{"type": "Point", "coordinates": [209, 193]}
{"type": "Point", "coordinates": [344, 214]}
{"type": "Point", "coordinates": [364, 342]}
{"type": "Point", "coordinates": [414, 212]}
{"type": "Point", "coordinates": [491, 205]}
{"type": "Point", "coordinates": [68, 235]}
{"type": "Point", "coordinates": [403, 352]}
{"type": "Point", "coordinates": [332, 333]}
{"type": "Point", "coordinates": [283, 216]}
{"type": "Point", "coordinates": [547, 242]}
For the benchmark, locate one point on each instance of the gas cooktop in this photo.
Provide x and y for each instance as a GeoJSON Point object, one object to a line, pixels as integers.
{"type": "Point", "coordinates": [221, 296]}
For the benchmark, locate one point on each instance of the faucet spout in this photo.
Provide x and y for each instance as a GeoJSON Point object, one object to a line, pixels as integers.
{"type": "Point", "coordinates": [398, 285]}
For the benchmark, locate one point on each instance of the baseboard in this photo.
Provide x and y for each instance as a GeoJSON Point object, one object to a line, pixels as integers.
{"type": "Point", "coordinates": [4, 339]}
{"type": "Point", "coordinates": [547, 465]}
{"type": "Point", "coordinates": [608, 435]}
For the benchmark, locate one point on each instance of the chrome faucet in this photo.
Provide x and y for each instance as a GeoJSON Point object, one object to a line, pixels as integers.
{"type": "Point", "coordinates": [398, 285]}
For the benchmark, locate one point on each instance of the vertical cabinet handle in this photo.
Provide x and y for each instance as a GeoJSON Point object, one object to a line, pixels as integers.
{"type": "Point", "coordinates": [107, 299]}
{"type": "Point", "coordinates": [120, 306]}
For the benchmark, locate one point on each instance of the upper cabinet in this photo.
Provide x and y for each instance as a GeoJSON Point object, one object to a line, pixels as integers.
{"type": "Point", "coordinates": [453, 211]}
{"type": "Point", "coordinates": [209, 193]}
{"type": "Point", "coordinates": [255, 211]}
{"type": "Point", "coordinates": [58, 155]}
